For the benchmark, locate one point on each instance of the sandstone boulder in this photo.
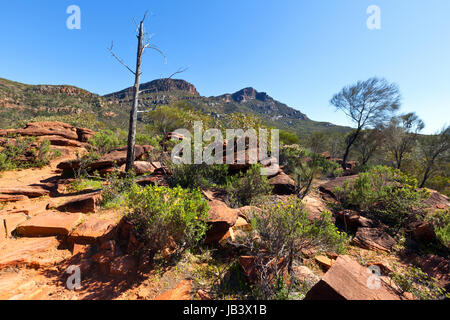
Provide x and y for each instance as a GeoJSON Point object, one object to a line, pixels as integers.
{"type": "Point", "coordinates": [329, 186]}
{"type": "Point", "coordinates": [86, 203]}
{"type": "Point", "coordinates": [11, 198]}
{"type": "Point", "coordinates": [283, 184]}
{"type": "Point", "coordinates": [421, 231]}
{"type": "Point", "coordinates": [348, 280]}
{"type": "Point", "coordinates": [91, 231]}
{"type": "Point", "coordinates": [374, 239]}
{"type": "Point", "coordinates": [29, 191]}
{"type": "Point", "coordinates": [49, 224]}
{"type": "Point", "coordinates": [438, 268]}
{"type": "Point", "coordinates": [114, 158]}
{"type": "Point", "coordinates": [25, 252]}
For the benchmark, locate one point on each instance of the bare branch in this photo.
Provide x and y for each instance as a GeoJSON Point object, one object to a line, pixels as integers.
{"type": "Point", "coordinates": [118, 59]}
{"type": "Point", "coordinates": [178, 72]}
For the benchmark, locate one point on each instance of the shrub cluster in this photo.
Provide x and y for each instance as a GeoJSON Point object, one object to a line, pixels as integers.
{"type": "Point", "coordinates": [281, 231]}
{"type": "Point", "coordinates": [26, 153]}
{"type": "Point", "coordinates": [441, 224]}
{"type": "Point", "coordinates": [167, 218]}
{"type": "Point", "coordinates": [248, 186]}
{"type": "Point", "coordinates": [198, 176]}
{"type": "Point", "coordinates": [384, 193]}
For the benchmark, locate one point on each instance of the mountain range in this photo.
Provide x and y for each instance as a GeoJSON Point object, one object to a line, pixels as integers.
{"type": "Point", "coordinates": [24, 102]}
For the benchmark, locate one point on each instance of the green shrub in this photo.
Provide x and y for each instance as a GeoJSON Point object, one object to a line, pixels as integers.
{"type": "Point", "coordinates": [168, 218]}
{"type": "Point", "coordinates": [81, 184]}
{"type": "Point", "coordinates": [281, 231]}
{"type": "Point", "coordinates": [384, 193]}
{"type": "Point", "coordinates": [198, 176]}
{"type": "Point", "coordinates": [248, 187]}
{"type": "Point", "coordinates": [4, 164]}
{"type": "Point", "coordinates": [417, 282]}
{"type": "Point", "coordinates": [105, 141]}
{"type": "Point", "coordinates": [26, 153]}
{"type": "Point", "coordinates": [116, 189]}
{"type": "Point", "coordinates": [441, 224]}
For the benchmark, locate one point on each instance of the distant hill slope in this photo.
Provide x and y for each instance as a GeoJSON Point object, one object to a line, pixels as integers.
{"type": "Point", "coordinates": [24, 102]}
{"type": "Point", "coordinates": [248, 100]}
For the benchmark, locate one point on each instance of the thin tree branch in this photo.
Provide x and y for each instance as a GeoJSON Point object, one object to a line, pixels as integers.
{"type": "Point", "coordinates": [120, 60]}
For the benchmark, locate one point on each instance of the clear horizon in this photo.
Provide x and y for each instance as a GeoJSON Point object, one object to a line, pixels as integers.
{"type": "Point", "coordinates": [300, 53]}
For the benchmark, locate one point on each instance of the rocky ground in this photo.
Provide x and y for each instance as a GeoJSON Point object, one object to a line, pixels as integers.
{"type": "Point", "coordinates": [45, 228]}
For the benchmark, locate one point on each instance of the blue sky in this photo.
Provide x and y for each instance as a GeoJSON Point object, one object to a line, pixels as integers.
{"type": "Point", "coordinates": [299, 52]}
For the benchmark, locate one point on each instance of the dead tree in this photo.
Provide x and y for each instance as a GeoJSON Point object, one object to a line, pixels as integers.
{"type": "Point", "coordinates": [143, 43]}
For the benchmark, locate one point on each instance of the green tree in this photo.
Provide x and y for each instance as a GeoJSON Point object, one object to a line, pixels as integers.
{"type": "Point", "coordinates": [368, 104]}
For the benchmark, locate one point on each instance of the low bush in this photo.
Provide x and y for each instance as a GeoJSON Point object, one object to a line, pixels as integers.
{"type": "Point", "coordinates": [167, 218]}
{"type": "Point", "coordinates": [441, 224]}
{"type": "Point", "coordinates": [248, 187]}
{"type": "Point", "coordinates": [386, 194]}
{"type": "Point", "coordinates": [116, 189]}
{"type": "Point", "coordinates": [23, 153]}
{"type": "Point", "coordinates": [418, 283]}
{"type": "Point", "coordinates": [105, 141]}
{"type": "Point", "coordinates": [281, 231]}
{"type": "Point", "coordinates": [198, 176]}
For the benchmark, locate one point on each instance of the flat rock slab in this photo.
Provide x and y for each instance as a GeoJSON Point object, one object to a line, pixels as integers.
{"type": "Point", "coordinates": [49, 224]}
{"type": "Point", "coordinates": [31, 192]}
{"type": "Point", "coordinates": [91, 230]}
{"type": "Point", "coordinates": [86, 203]}
{"type": "Point", "coordinates": [374, 239]}
{"type": "Point", "coordinates": [27, 252]}
{"type": "Point", "coordinates": [348, 280]}
{"type": "Point", "coordinates": [11, 221]}
{"type": "Point", "coordinates": [12, 198]}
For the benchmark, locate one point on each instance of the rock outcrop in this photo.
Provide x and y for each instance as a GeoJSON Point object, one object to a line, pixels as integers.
{"type": "Point", "coordinates": [348, 280]}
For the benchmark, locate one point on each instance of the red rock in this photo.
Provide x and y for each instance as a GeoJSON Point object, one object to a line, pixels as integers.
{"type": "Point", "coordinates": [324, 262]}
{"type": "Point", "coordinates": [114, 158]}
{"type": "Point", "coordinates": [347, 280]}
{"type": "Point", "coordinates": [353, 220]}
{"type": "Point", "coordinates": [90, 231]}
{"type": "Point", "coordinates": [12, 198]}
{"type": "Point", "coordinates": [29, 191]}
{"type": "Point", "coordinates": [329, 186]}
{"type": "Point", "coordinates": [437, 267]}
{"type": "Point", "coordinates": [84, 134]}
{"type": "Point", "coordinates": [123, 266]}
{"type": "Point", "coordinates": [37, 129]}
{"type": "Point", "coordinates": [315, 206]}
{"type": "Point", "coordinates": [181, 292]}
{"type": "Point", "coordinates": [374, 239]}
{"type": "Point", "coordinates": [422, 231]}
{"type": "Point", "coordinates": [304, 274]}
{"type": "Point", "coordinates": [49, 224]}
{"type": "Point", "coordinates": [24, 252]}
{"type": "Point", "coordinates": [86, 203]}
{"type": "Point", "coordinates": [283, 184]}
{"type": "Point", "coordinates": [60, 141]}
{"type": "Point", "coordinates": [221, 218]}
{"type": "Point", "coordinates": [203, 295]}
{"type": "Point", "coordinates": [143, 167]}
{"type": "Point", "coordinates": [11, 221]}
{"type": "Point", "coordinates": [437, 201]}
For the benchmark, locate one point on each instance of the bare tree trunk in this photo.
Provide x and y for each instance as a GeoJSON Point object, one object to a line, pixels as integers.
{"type": "Point", "coordinates": [134, 109]}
